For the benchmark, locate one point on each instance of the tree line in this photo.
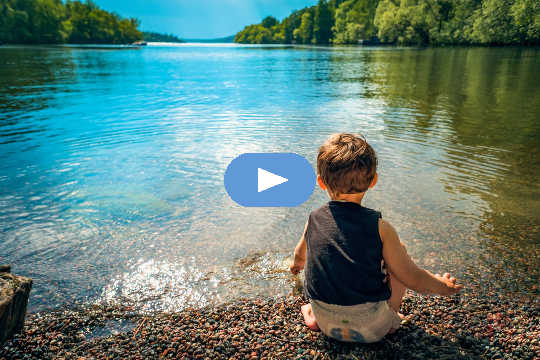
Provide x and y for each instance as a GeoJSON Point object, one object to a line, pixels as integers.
{"type": "Point", "coordinates": [406, 22]}
{"type": "Point", "coordinates": [54, 22]}
{"type": "Point", "coordinates": [157, 37]}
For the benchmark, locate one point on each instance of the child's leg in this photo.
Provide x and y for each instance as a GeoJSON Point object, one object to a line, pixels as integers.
{"type": "Point", "coordinates": [398, 291]}
{"type": "Point", "coordinates": [309, 318]}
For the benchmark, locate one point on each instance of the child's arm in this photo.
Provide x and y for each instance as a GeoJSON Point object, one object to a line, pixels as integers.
{"type": "Point", "coordinates": [299, 254]}
{"type": "Point", "coordinates": [401, 265]}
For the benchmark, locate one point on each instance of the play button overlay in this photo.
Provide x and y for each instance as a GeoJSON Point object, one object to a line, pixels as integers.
{"type": "Point", "coordinates": [269, 179]}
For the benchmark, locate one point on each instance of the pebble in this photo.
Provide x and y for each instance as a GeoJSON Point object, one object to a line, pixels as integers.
{"type": "Point", "coordinates": [435, 327]}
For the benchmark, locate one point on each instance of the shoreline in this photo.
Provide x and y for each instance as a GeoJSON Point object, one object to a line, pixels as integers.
{"type": "Point", "coordinates": [462, 327]}
{"type": "Point", "coordinates": [329, 46]}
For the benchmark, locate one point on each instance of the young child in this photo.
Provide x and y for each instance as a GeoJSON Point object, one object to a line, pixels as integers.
{"type": "Point", "coordinates": [356, 268]}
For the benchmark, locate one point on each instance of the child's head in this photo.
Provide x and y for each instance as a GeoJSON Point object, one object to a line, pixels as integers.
{"type": "Point", "coordinates": [346, 164]}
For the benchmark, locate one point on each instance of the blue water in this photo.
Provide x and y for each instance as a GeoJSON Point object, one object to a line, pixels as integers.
{"type": "Point", "coordinates": [112, 162]}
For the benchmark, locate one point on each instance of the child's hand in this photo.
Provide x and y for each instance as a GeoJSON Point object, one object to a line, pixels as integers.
{"type": "Point", "coordinates": [297, 265]}
{"type": "Point", "coordinates": [449, 284]}
{"type": "Point", "coordinates": [299, 255]}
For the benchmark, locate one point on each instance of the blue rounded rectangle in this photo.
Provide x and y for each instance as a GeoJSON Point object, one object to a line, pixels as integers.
{"type": "Point", "coordinates": [269, 179]}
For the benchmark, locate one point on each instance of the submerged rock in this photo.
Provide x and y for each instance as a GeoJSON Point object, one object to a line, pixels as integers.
{"type": "Point", "coordinates": [14, 293]}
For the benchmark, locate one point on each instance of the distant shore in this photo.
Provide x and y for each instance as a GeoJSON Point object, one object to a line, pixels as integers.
{"type": "Point", "coordinates": [466, 327]}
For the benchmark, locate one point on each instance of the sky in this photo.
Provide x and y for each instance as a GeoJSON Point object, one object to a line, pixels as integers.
{"type": "Point", "coordinates": [201, 19]}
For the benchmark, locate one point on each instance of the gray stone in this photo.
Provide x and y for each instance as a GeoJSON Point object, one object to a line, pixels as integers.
{"type": "Point", "coordinates": [14, 293]}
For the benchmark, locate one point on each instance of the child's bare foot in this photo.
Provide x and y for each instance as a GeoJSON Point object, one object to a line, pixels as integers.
{"type": "Point", "coordinates": [393, 330]}
{"type": "Point", "coordinates": [309, 318]}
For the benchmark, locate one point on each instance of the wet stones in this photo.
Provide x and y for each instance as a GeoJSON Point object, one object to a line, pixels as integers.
{"type": "Point", "coordinates": [14, 293]}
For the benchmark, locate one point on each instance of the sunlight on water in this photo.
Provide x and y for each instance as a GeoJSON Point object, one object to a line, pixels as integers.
{"type": "Point", "coordinates": [112, 162]}
{"type": "Point", "coordinates": [152, 285]}
{"type": "Point", "coordinates": [172, 287]}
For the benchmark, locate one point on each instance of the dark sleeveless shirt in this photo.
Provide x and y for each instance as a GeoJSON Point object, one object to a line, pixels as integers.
{"type": "Point", "coordinates": [344, 255]}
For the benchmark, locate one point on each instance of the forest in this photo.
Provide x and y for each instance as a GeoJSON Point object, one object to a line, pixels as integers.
{"type": "Point", "coordinates": [56, 22]}
{"type": "Point", "coordinates": [404, 22]}
{"type": "Point", "coordinates": [157, 37]}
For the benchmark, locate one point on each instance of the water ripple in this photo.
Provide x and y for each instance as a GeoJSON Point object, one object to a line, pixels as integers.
{"type": "Point", "coordinates": [111, 162]}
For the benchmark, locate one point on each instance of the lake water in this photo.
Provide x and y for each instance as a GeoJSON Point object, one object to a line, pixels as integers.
{"type": "Point", "coordinates": [112, 163]}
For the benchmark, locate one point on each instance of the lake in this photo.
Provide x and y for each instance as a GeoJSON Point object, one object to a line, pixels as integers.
{"type": "Point", "coordinates": [112, 163]}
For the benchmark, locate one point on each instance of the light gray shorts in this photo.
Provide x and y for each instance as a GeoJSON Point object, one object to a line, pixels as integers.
{"type": "Point", "coordinates": [365, 323]}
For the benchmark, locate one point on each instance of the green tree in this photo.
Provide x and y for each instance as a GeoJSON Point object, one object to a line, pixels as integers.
{"type": "Point", "coordinates": [289, 24]}
{"type": "Point", "coordinates": [12, 18]}
{"type": "Point", "coordinates": [409, 21]}
{"type": "Point", "coordinates": [322, 24]}
{"type": "Point", "coordinates": [354, 21]}
{"type": "Point", "coordinates": [526, 17]}
{"type": "Point", "coordinates": [254, 34]}
{"type": "Point", "coordinates": [458, 27]}
{"type": "Point", "coordinates": [493, 24]}
{"type": "Point", "coordinates": [304, 33]}
{"type": "Point", "coordinates": [414, 22]}
{"type": "Point", "coordinates": [52, 21]}
{"type": "Point", "coordinates": [32, 21]}
{"type": "Point", "coordinates": [507, 22]}
{"type": "Point", "coordinates": [158, 37]}
{"type": "Point", "coordinates": [269, 21]}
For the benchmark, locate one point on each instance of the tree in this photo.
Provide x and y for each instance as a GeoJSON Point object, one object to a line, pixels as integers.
{"type": "Point", "coordinates": [269, 21]}
{"type": "Point", "coordinates": [526, 17]}
{"type": "Point", "coordinates": [12, 18]}
{"type": "Point", "coordinates": [458, 26]}
{"type": "Point", "coordinates": [304, 33]}
{"type": "Point", "coordinates": [322, 25]}
{"type": "Point", "coordinates": [158, 37]}
{"type": "Point", "coordinates": [254, 34]}
{"type": "Point", "coordinates": [493, 24]}
{"type": "Point", "coordinates": [289, 24]}
{"type": "Point", "coordinates": [52, 21]}
{"type": "Point", "coordinates": [354, 21]}
{"type": "Point", "coordinates": [409, 22]}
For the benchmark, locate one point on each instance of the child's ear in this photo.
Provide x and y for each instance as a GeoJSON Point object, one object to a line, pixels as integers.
{"type": "Point", "coordinates": [321, 184]}
{"type": "Point", "coordinates": [374, 181]}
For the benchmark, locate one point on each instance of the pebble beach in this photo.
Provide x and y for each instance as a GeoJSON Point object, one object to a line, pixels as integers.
{"type": "Point", "coordinates": [467, 326]}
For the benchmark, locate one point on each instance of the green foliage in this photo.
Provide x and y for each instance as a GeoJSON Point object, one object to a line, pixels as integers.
{"type": "Point", "coordinates": [322, 25]}
{"type": "Point", "coordinates": [457, 27]}
{"type": "Point", "coordinates": [269, 21]}
{"type": "Point", "coordinates": [157, 37]}
{"type": "Point", "coordinates": [304, 33]}
{"type": "Point", "coordinates": [354, 21]}
{"type": "Point", "coordinates": [52, 21]}
{"type": "Point", "coordinates": [31, 21]}
{"type": "Point", "coordinates": [526, 16]}
{"type": "Point", "coordinates": [291, 23]}
{"type": "Point", "coordinates": [493, 24]}
{"type": "Point", "coordinates": [410, 22]}
{"type": "Point", "coordinates": [507, 22]}
{"type": "Point", "coordinates": [490, 22]}
{"type": "Point", "coordinates": [254, 34]}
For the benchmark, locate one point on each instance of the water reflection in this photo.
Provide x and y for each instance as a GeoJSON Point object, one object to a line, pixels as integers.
{"type": "Point", "coordinates": [112, 163]}
{"type": "Point", "coordinates": [482, 111]}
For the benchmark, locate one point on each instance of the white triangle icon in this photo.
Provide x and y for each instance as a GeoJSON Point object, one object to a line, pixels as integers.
{"type": "Point", "coordinates": [267, 180]}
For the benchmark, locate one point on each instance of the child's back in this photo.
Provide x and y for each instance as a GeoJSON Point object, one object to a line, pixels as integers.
{"type": "Point", "coordinates": [345, 253]}
{"type": "Point", "coordinates": [345, 247]}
